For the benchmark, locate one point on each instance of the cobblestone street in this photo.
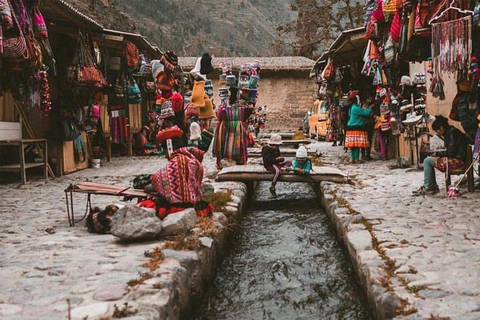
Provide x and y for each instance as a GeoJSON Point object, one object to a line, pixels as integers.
{"type": "Point", "coordinates": [44, 261]}
{"type": "Point", "coordinates": [433, 241]}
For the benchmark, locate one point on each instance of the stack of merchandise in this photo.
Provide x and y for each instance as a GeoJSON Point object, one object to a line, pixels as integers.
{"type": "Point", "coordinates": [199, 110]}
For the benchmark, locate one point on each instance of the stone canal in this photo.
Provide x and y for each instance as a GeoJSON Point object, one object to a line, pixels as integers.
{"type": "Point", "coordinates": [285, 263]}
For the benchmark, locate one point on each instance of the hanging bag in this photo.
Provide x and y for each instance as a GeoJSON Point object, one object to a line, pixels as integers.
{"type": "Point", "coordinates": [389, 50]}
{"type": "Point", "coordinates": [132, 54]}
{"type": "Point", "coordinates": [134, 95]}
{"type": "Point", "coordinates": [39, 25]}
{"type": "Point", "coordinates": [329, 70]}
{"type": "Point", "coordinates": [14, 45]}
{"type": "Point", "coordinates": [6, 15]}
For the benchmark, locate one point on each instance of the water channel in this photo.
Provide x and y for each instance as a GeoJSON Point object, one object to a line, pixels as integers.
{"type": "Point", "coordinates": [285, 263]}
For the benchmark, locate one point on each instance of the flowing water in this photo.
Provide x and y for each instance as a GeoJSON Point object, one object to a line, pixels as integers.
{"type": "Point", "coordinates": [285, 263]}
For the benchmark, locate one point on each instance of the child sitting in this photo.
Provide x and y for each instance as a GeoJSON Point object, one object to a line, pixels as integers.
{"type": "Point", "coordinates": [302, 164]}
{"type": "Point", "coordinates": [272, 161]}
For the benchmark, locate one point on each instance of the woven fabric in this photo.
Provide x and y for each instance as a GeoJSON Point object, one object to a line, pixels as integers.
{"type": "Point", "coordinates": [357, 139]}
{"type": "Point", "coordinates": [181, 180]}
{"type": "Point", "coordinates": [454, 164]}
{"type": "Point", "coordinates": [231, 135]}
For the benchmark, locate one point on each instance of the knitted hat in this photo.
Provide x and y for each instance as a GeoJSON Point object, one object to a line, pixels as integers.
{"type": "Point", "coordinates": [156, 67]}
{"type": "Point", "coordinates": [169, 60]}
{"type": "Point", "coordinates": [198, 94]}
{"type": "Point", "coordinates": [206, 64]}
{"type": "Point", "coordinates": [170, 133]}
{"type": "Point", "coordinates": [233, 95]}
{"type": "Point", "coordinates": [195, 131]}
{"type": "Point", "coordinates": [177, 102]}
{"type": "Point", "coordinates": [209, 88]}
{"type": "Point", "coordinates": [207, 111]}
{"type": "Point", "coordinates": [301, 153]}
{"type": "Point", "coordinates": [405, 80]}
{"type": "Point", "coordinates": [275, 139]}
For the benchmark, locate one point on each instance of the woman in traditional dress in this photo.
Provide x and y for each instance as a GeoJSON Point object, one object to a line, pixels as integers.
{"type": "Point", "coordinates": [356, 137]}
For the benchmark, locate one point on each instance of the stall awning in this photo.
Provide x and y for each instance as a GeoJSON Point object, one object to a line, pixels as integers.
{"type": "Point", "coordinates": [140, 41]}
{"type": "Point", "coordinates": [347, 48]}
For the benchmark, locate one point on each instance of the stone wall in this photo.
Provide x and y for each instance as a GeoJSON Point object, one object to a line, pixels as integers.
{"type": "Point", "coordinates": [288, 95]}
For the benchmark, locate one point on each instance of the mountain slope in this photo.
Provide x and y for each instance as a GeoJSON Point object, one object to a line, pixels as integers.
{"type": "Point", "coordinates": [221, 27]}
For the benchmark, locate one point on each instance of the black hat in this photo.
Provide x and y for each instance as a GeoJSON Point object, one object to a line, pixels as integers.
{"type": "Point", "coordinates": [206, 64]}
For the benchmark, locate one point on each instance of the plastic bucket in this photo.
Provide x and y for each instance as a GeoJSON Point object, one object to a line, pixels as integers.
{"type": "Point", "coordinates": [96, 163]}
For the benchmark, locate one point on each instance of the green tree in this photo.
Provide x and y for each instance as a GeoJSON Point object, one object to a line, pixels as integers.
{"type": "Point", "coordinates": [317, 24]}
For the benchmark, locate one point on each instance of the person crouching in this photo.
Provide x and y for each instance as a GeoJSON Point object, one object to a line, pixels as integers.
{"type": "Point", "coordinates": [272, 161]}
{"type": "Point", "coordinates": [302, 164]}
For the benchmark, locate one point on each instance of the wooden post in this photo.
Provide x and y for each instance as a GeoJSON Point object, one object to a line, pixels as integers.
{"type": "Point", "coordinates": [22, 162]}
{"type": "Point", "coordinates": [45, 158]}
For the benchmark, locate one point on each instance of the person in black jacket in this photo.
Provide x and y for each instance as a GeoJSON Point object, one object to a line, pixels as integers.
{"type": "Point", "coordinates": [272, 161]}
{"type": "Point", "coordinates": [456, 146]}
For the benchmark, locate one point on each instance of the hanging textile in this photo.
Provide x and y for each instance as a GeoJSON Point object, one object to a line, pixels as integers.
{"type": "Point", "coordinates": [230, 140]}
{"type": "Point", "coordinates": [452, 46]}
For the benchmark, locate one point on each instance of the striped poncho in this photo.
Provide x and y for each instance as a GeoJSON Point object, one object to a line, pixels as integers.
{"type": "Point", "coordinates": [181, 180]}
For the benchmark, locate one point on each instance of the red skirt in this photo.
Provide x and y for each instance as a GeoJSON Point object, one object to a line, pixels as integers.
{"type": "Point", "coordinates": [357, 139]}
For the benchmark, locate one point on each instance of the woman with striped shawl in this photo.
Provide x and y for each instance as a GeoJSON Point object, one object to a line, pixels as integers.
{"type": "Point", "coordinates": [181, 180]}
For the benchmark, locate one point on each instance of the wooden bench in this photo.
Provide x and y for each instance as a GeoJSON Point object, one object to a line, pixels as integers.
{"type": "Point", "coordinates": [90, 188]}
{"type": "Point", "coordinates": [259, 173]}
{"type": "Point", "coordinates": [468, 166]}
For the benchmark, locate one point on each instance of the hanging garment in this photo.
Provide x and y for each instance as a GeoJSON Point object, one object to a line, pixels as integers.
{"type": "Point", "coordinates": [231, 135]}
{"type": "Point", "coordinates": [452, 46]}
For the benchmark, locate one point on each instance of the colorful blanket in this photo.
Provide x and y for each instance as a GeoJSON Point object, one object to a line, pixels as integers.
{"type": "Point", "coordinates": [181, 180]}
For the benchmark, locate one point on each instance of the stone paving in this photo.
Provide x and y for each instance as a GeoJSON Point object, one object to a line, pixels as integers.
{"type": "Point", "coordinates": [44, 262]}
{"type": "Point", "coordinates": [434, 242]}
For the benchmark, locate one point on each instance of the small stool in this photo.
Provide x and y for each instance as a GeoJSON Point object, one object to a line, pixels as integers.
{"type": "Point", "coordinates": [468, 162]}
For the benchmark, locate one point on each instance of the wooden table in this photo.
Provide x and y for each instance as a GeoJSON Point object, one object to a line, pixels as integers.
{"type": "Point", "coordinates": [22, 166]}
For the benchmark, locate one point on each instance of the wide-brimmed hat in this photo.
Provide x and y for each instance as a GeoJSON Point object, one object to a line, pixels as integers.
{"type": "Point", "coordinates": [275, 139]}
{"type": "Point", "coordinates": [412, 118]}
{"type": "Point", "coordinates": [170, 133]}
